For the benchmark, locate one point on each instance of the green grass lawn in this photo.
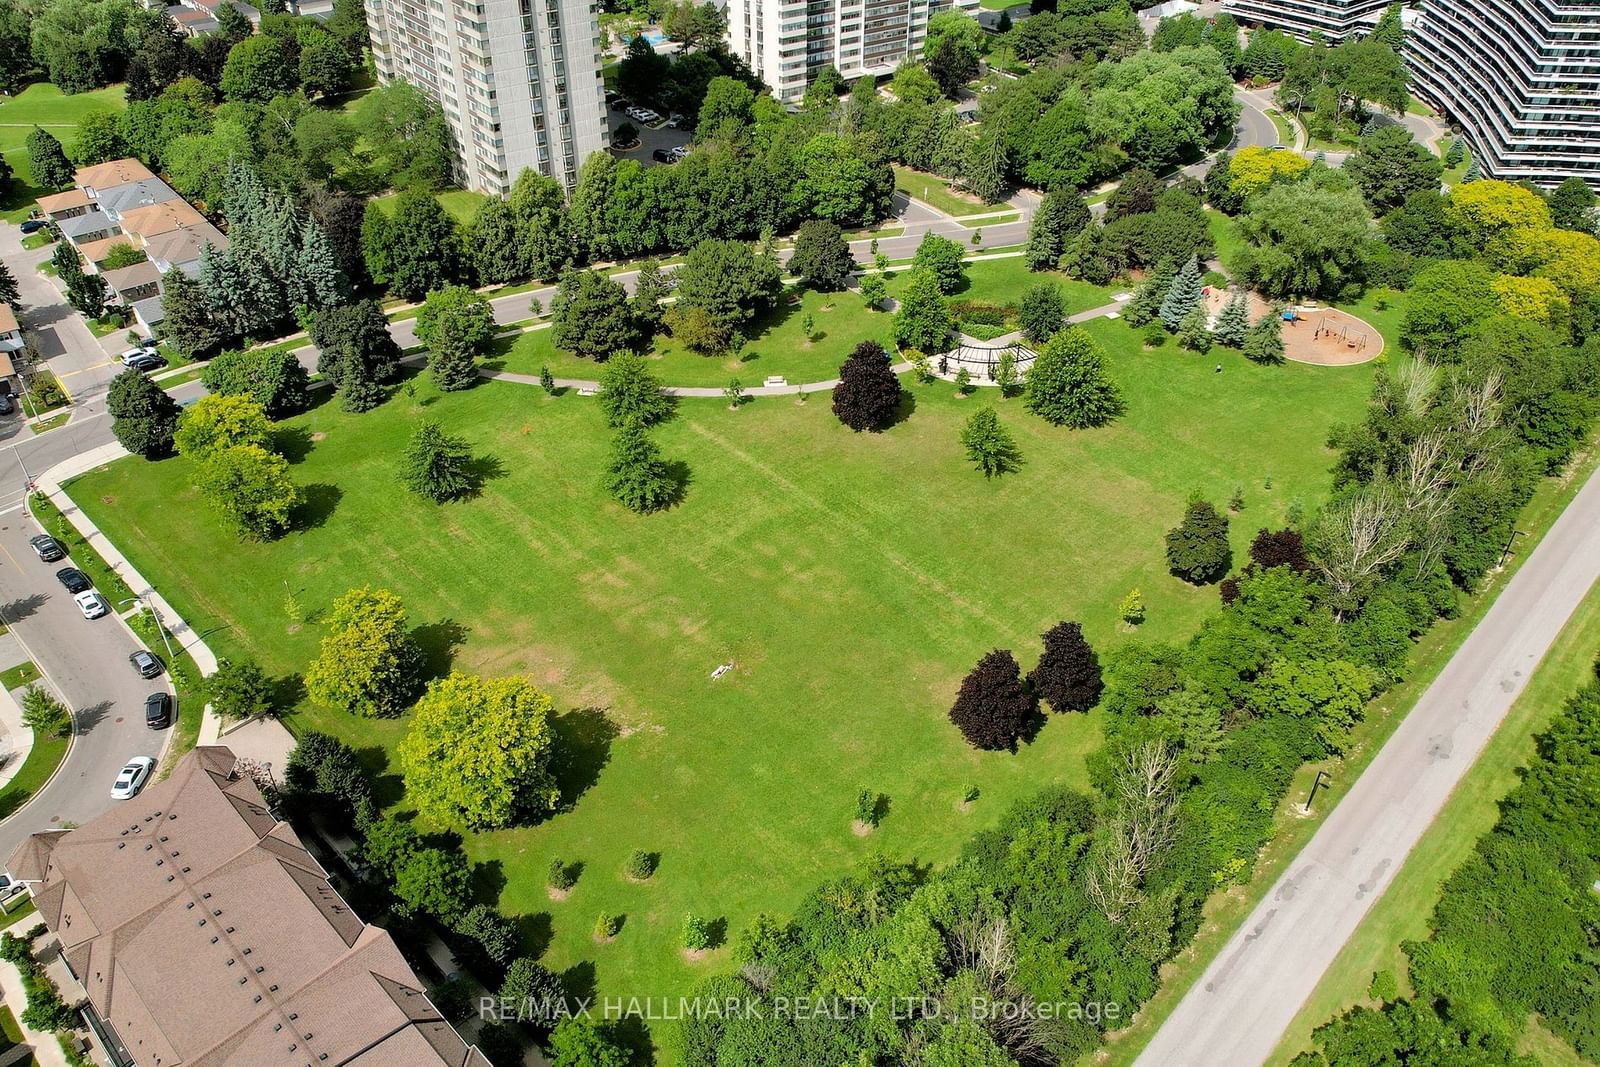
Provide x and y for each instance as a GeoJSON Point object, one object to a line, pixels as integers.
{"type": "Point", "coordinates": [43, 759]}
{"type": "Point", "coordinates": [1285, 127]}
{"type": "Point", "coordinates": [42, 104]}
{"type": "Point", "coordinates": [1402, 913]}
{"type": "Point", "coordinates": [10, 1032]}
{"type": "Point", "coordinates": [840, 321]}
{"type": "Point", "coordinates": [18, 676]}
{"type": "Point", "coordinates": [851, 578]}
{"type": "Point", "coordinates": [461, 204]}
{"type": "Point", "coordinates": [935, 191]}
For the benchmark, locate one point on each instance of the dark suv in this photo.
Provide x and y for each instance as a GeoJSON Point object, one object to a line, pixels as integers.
{"type": "Point", "coordinates": [47, 548]}
{"type": "Point", "coordinates": [74, 580]}
{"type": "Point", "coordinates": [158, 711]}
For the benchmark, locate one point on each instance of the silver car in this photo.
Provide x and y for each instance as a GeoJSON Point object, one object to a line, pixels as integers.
{"type": "Point", "coordinates": [132, 777]}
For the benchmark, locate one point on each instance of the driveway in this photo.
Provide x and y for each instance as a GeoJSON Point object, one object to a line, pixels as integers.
{"type": "Point", "coordinates": [70, 350]}
{"type": "Point", "coordinates": [87, 663]}
{"type": "Point", "coordinates": [1238, 1010]}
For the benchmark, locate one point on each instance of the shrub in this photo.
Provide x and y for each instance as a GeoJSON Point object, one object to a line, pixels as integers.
{"type": "Point", "coordinates": [606, 926]}
{"type": "Point", "coordinates": [696, 933]}
{"type": "Point", "coordinates": [561, 875]}
{"type": "Point", "coordinates": [641, 864]}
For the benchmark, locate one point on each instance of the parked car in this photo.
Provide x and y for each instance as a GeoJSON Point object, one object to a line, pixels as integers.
{"type": "Point", "coordinates": [145, 362]}
{"type": "Point", "coordinates": [32, 226]}
{"type": "Point", "coordinates": [680, 152]}
{"type": "Point", "coordinates": [675, 122]}
{"type": "Point", "coordinates": [47, 548]}
{"type": "Point", "coordinates": [133, 355]}
{"type": "Point", "coordinates": [6, 406]}
{"type": "Point", "coordinates": [92, 604]}
{"type": "Point", "coordinates": [132, 778]}
{"type": "Point", "coordinates": [73, 579]}
{"type": "Point", "coordinates": [157, 711]}
{"type": "Point", "coordinates": [145, 663]}
{"type": "Point", "coordinates": [619, 104]}
{"type": "Point", "coordinates": [661, 155]}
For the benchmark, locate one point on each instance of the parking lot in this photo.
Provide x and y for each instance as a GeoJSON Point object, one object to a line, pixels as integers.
{"type": "Point", "coordinates": [651, 138]}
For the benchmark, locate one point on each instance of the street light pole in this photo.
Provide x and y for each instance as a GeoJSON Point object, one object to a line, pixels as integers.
{"type": "Point", "coordinates": [1315, 782]}
{"type": "Point", "coordinates": [161, 627]}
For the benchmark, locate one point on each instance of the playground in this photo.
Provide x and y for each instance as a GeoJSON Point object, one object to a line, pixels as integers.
{"type": "Point", "coordinates": [1328, 337]}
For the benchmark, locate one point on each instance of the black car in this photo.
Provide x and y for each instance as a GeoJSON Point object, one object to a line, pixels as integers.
{"type": "Point", "coordinates": [32, 226]}
{"type": "Point", "coordinates": [661, 155]}
{"type": "Point", "coordinates": [47, 548]}
{"type": "Point", "coordinates": [146, 362]}
{"type": "Point", "coordinates": [146, 664]}
{"type": "Point", "coordinates": [619, 104]}
{"type": "Point", "coordinates": [157, 711]}
{"type": "Point", "coordinates": [73, 579]}
{"type": "Point", "coordinates": [6, 406]}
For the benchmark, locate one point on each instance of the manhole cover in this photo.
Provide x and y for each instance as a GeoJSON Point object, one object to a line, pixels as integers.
{"type": "Point", "coordinates": [55, 818]}
{"type": "Point", "coordinates": [117, 719]}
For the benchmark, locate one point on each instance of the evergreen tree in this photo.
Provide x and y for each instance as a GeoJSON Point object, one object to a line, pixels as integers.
{"type": "Point", "coordinates": [1264, 342]}
{"type": "Point", "coordinates": [8, 287]}
{"type": "Point", "coordinates": [323, 283]}
{"type": "Point", "coordinates": [1456, 152]}
{"type": "Point", "coordinates": [1147, 299]}
{"type": "Point", "coordinates": [650, 287]}
{"type": "Point", "coordinates": [1088, 257]}
{"type": "Point", "coordinates": [635, 475]}
{"type": "Point", "coordinates": [1473, 172]}
{"type": "Point", "coordinates": [1197, 548]}
{"type": "Point", "coordinates": [868, 393]}
{"type": "Point", "coordinates": [357, 352]}
{"type": "Point", "coordinates": [1061, 217]}
{"type": "Point", "coordinates": [987, 444]}
{"type": "Point", "coordinates": [144, 418]}
{"type": "Point", "coordinates": [1068, 675]}
{"type": "Point", "coordinates": [1068, 384]}
{"type": "Point", "coordinates": [1182, 295]}
{"type": "Point", "coordinates": [994, 710]}
{"type": "Point", "coordinates": [1233, 322]}
{"type": "Point", "coordinates": [436, 464]}
{"type": "Point", "coordinates": [190, 325]}
{"type": "Point", "coordinates": [46, 160]}
{"type": "Point", "coordinates": [1572, 204]}
{"type": "Point", "coordinates": [1193, 333]}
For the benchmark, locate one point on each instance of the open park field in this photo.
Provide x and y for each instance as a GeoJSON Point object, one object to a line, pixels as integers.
{"type": "Point", "coordinates": [839, 322]}
{"type": "Point", "coordinates": [852, 579]}
{"type": "Point", "coordinates": [42, 104]}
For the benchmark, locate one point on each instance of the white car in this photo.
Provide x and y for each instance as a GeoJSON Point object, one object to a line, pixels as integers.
{"type": "Point", "coordinates": [134, 355]}
{"type": "Point", "coordinates": [132, 777]}
{"type": "Point", "coordinates": [675, 122]}
{"type": "Point", "coordinates": [92, 604]}
{"type": "Point", "coordinates": [680, 152]}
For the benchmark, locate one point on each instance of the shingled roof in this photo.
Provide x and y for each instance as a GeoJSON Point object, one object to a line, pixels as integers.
{"type": "Point", "coordinates": [205, 933]}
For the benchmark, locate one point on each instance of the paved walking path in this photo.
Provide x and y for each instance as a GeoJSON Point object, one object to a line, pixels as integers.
{"type": "Point", "coordinates": [1238, 1010]}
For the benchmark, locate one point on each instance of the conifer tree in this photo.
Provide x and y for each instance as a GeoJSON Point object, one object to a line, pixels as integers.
{"type": "Point", "coordinates": [1087, 258]}
{"type": "Point", "coordinates": [635, 475]}
{"type": "Point", "coordinates": [190, 324]}
{"type": "Point", "coordinates": [1264, 342]}
{"type": "Point", "coordinates": [1147, 299]}
{"type": "Point", "coordinates": [1182, 295]}
{"type": "Point", "coordinates": [1193, 333]}
{"type": "Point", "coordinates": [322, 282]}
{"type": "Point", "coordinates": [1233, 323]}
{"type": "Point", "coordinates": [1057, 223]}
{"type": "Point", "coordinates": [1473, 172]}
{"type": "Point", "coordinates": [47, 161]}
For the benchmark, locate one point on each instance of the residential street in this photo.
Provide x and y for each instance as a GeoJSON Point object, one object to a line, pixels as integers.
{"type": "Point", "coordinates": [1238, 1010]}
{"type": "Point", "coordinates": [87, 661]}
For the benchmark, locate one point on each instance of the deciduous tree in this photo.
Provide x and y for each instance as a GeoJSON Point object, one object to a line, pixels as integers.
{"type": "Point", "coordinates": [1042, 312]}
{"type": "Point", "coordinates": [356, 352]}
{"type": "Point", "coordinates": [1068, 674]}
{"type": "Point", "coordinates": [629, 392]}
{"type": "Point", "coordinates": [922, 320]}
{"type": "Point", "coordinates": [868, 393]}
{"type": "Point", "coordinates": [591, 317]}
{"type": "Point", "coordinates": [822, 258]}
{"type": "Point", "coordinates": [239, 690]}
{"type": "Point", "coordinates": [988, 445]}
{"type": "Point", "coordinates": [1068, 385]}
{"type": "Point", "coordinates": [272, 377]}
{"type": "Point", "coordinates": [46, 160]}
{"type": "Point", "coordinates": [250, 487]}
{"type": "Point", "coordinates": [479, 751]}
{"type": "Point", "coordinates": [455, 323]}
{"type": "Point", "coordinates": [144, 417]}
{"type": "Point", "coordinates": [943, 258]}
{"type": "Point", "coordinates": [368, 664]}
{"type": "Point", "coordinates": [219, 421]}
{"type": "Point", "coordinates": [994, 709]}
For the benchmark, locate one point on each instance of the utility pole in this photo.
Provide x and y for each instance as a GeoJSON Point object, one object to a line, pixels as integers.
{"type": "Point", "coordinates": [1315, 782]}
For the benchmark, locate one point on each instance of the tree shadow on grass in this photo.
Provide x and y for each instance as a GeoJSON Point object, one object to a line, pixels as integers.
{"type": "Point", "coordinates": [318, 501]}
{"type": "Point", "coordinates": [903, 410]}
{"type": "Point", "coordinates": [489, 880]}
{"type": "Point", "coordinates": [536, 931]}
{"type": "Point", "coordinates": [480, 471]}
{"type": "Point", "coordinates": [682, 476]}
{"type": "Point", "coordinates": [287, 692]}
{"type": "Point", "coordinates": [632, 1034]}
{"type": "Point", "coordinates": [583, 739]}
{"type": "Point", "coordinates": [387, 788]}
{"type": "Point", "coordinates": [717, 932]}
{"type": "Point", "coordinates": [438, 642]}
{"type": "Point", "coordinates": [316, 398]}
{"type": "Point", "coordinates": [579, 980]}
{"type": "Point", "coordinates": [293, 443]}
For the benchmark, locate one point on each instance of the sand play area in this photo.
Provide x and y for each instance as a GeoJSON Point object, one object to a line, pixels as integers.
{"type": "Point", "coordinates": [1315, 334]}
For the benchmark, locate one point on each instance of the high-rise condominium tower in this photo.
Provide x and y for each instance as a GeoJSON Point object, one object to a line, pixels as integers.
{"type": "Point", "coordinates": [1522, 77]}
{"type": "Point", "coordinates": [519, 80]}
{"type": "Point", "coordinates": [787, 41]}
{"type": "Point", "coordinates": [1334, 19]}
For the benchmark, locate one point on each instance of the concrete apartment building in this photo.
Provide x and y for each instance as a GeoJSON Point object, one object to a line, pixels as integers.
{"type": "Point", "coordinates": [787, 41]}
{"type": "Point", "coordinates": [196, 929]}
{"type": "Point", "coordinates": [1521, 77]}
{"type": "Point", "coordinates": [121, 202]}
{"type": "Point", "coordinates": [519, 80]}
{"type": "Point", "coordinates": [1334, 19]}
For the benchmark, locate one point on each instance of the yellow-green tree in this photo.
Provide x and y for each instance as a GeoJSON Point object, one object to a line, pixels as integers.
{"type": "Point", "coordinates": [251, 489]}
{"type": "Point", "coordinates": [1256, 167]}
{"type": "Point", "coordinates": [218, 422]}
{"type": "Point", "coordinates": [368, 664]}
{"type": "Point", "coordinates": [1536, 299]}
{"type": "Point", "coordinates": [479, 751]}
{"type": "Point", "coordinates": [1487, 210]}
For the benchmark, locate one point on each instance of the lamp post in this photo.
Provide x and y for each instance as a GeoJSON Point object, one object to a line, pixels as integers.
{"type": "Point", "coordinates": [1315, 782]}
{"type": "Point", "coordinates": [161, 627]}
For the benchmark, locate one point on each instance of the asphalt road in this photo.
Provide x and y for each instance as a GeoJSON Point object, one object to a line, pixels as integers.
{"type": "Point", "coordinates": [1237, 1012]}
{"type": "Point", "coordinates": [87, 662]}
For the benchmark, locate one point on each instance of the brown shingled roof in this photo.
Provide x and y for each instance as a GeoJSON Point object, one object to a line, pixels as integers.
{"type": "Point", "coordinates": [205, 933]}
{"type": "Point", "coordinates": [62, 201]}
{"type": "Point", "coordinates": [111, 174]}
{"type": "Point", "coordinates": [160, 218]}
